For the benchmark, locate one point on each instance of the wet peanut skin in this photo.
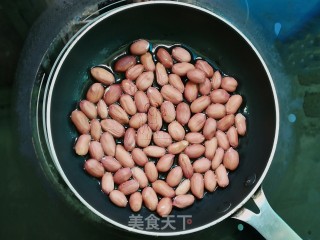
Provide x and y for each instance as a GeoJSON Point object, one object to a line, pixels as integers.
{"type": "Point", "coordinates": [169, 115]}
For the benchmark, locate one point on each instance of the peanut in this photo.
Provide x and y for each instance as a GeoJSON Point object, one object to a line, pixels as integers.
{"type": "Point", "coordinates": [95, 92]}
{"type": "Point", "coordinates": [205, 67]}
{"type": "Point", "coordinates": [82, 145]}
{"type": "Point", "coordinates": [181, 55]}
{"type": "Point", "coordinates": [124, 63]}
{"type": "Point", "coordinates": [164, 57]}
{"type": "Point", "coordinates": [81, 121]}
{"type": "Point", "coordinates": [94, 168]}
{"type": "Point", "coordinates": [102, 75]}
{"type": "Point", "coordinates": [118, 198]}
{"type": "Point", "coordinates": [139, 47]}
{"type": "Point", "coordinates": [112, 94]}
{"type": "Point", "coordinates": [108, 144]}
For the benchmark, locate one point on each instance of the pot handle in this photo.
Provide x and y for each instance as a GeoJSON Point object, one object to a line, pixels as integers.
{"type": "Point", "coordinates": [267, 222]}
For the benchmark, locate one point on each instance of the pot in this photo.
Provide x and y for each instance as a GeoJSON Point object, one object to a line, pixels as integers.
{"type": "Point", "coordinates": [214, 38]}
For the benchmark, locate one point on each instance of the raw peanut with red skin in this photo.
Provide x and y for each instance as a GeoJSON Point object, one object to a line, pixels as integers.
{"type": "Point", "coordinates": [183, 187]}
{"type": "Point", "coordinates": [129, 141]}
{"type": "Point", "coordinates": [212, 131]}
{"type": "Point", "coordinates": [164, 207]}
{"type": "Point", "coordinates": [222, 176]}
{"type": "Point", "coordinates": [95, 92]}
{"type": "Point", "coordinates": [181, 55]}
{"type": "Point", "coordinates": [205, 87]}
{"type": "Point", "coordinates": [122, 175]}
{"type": "Point", "coordinates": [226, 122]}
{"type": "Point", "coordinates": [147, 62]}
{"type": "Point", "coordinates": [231, 159]}
{"type": "Point", "coordinates": [129, 87]}
{"type": "Point", "coordinates": [88, 108]}
{"type": "Point", "coordinates": [108, 144]}
{"type": "Point", "coordinates": [110, 164]}
{"type": "Point", "coordinates": [82, 145]}
{"type": "Point", "coordinates": [174, 177]}
{"type": "Point", "coordinates": [164, 58]}
{"type": "Point", "coordinates": [134, 72]}
{"type": "Point", "coordinates": [95, 129]}
{"type": "Point", "coordinates": [168, 111]}
{"type": "Point", "coordinates": [162, 139]}
{"type": "Point", "coordinates": [80, 121]}
{"type": "Point", "coordinates": [128, 104]}
{"type": "Point", "coordinates": [185, 164]}
{"type": "Point", "coordinates": [142, 101]}
{"type": "Point", "coordinates": [138, 120]}
{"type": "Point", "coordinates": [232, 135]}
{"type": "Point", "coordinates": [196, 76]}
{"type": "Point", "coordinates": [94, 168]}
{"type": "Point", "coordinates": [163, 189]}
{"type": "Point", "coordinates": [154, 151]}
{"type": "Point", "coordinates": [102, 109]}
{"type": "Point", "coordinates": [177, 147]}
{"type": "Point", "coordinates": [233, 104]}
{"type": "Point", "coordinates": [191, 91]}
{"type": "Point", "coordinates": [205, 67]}
{"type": "Point", "coordinates": [181, 69]}
{"type": "Point", "coordinates": [183, 113]}
{"type": "Point", "coordinates": [209, 128]}
{"type": "Point", "coordinates": [211, 147]}
{"type": "Point", "coordinates": [139, 157]}
{"type": "Point", "coordinates": [139, 175]}
{"type": "Point", "coordinates": [129, 187]}
{"type": "Point", "coordinates": [194, 137]}
{"type": "Point", "coordinates": [151, 171]}
{"type": "Point", "coordinates": [210, 181]}
{"type": "Point", "coordinates": [135, 201]}
{"type": "Point", "coordinates": [154, 119]}
{"type": "Point", "coordinates": [194, 150]}
{"type": "Point", "coordinates": [240, 122]}
{"type": "Point", "coordinates": [150, 198]}
{"type": "Point", "coordinates": [183, 201]}
{"type": "Point", "coordinates": [118, 114]}
{"type": "Point", "coordinates": [112, 94]}
{"type": "Point", "coordinates": [139, 47]}
{"type": "Point", "coordinates": [197, 185]}
{"type": "Point", "coordinates": [197, 122]}
{"type": "Point", "coordinates": [155, 97]}
{"type": "Point", "coordinates": [165, 162]}
{"type": "Point", "coordinates": [200, 104]}
{"type": "Point", "coordinates": [124, 157]}
{"type": "Point", "coordinates": [171, 94]}
{"type": "Point", "coordinates": [229, 84]}
{"type": "Point", "coordinates": [201, 165]}
{"type": "Point", "coordinates": [144, 135]}
{"type": "Point", "coordinates": [102, 75]}
{"type": "Point", "coordinates": [217, 159]}
{"type": "Point", "coordinates": [176, 131]}
{"type": "Point", "coordinates": [113, 127]}
{"type": "Point", "coordinates": [107, 183]}
{"type": "Point", "coordinates": [118, 198]}
{"type": "Point", "coordinates": [95, 150]}
{"type": "Point", "coordinates": [145, 80]}
{"type": "Point", "coordinates": [216, 80]}
{"type": "Point", "coordinates": [176, 82]}
{"type": "Point", "coordinates": [219, 96]}
{"type": "Point", "coordinates": [124, 63]}
{"type": "Point", "coordinates": [216, 110]}
{"type": "Point", "coordinates": [223, 141]}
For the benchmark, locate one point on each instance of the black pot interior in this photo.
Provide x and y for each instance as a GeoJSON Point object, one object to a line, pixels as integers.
{"type": "Point", "coordinates": [211, 38]}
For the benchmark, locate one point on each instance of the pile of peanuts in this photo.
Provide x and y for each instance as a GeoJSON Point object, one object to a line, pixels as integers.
{"type": "Point", "coordinates": [164, 134]}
